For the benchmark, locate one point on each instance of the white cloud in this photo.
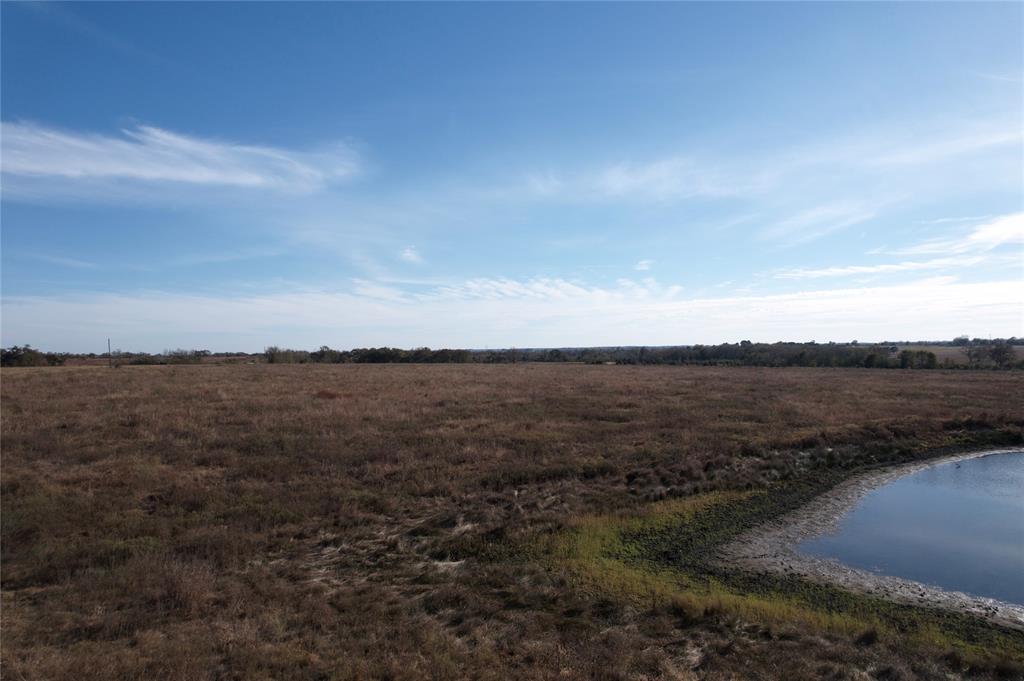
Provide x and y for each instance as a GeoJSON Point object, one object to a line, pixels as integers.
{"type": "Point", "coordinates": [46, 159]}
{"type": "Point", "coordinates": [674, 177]}
{"type": "Point", "coordinates": [643, 265]}
{"type": "Point", "coordinates": [75, 263]}
{"type": "Point", "coordinates": [818, 221]}
{"type": "Point", "coordinates": [544, 184]}
{"type": "Point", "coordinates": [1004, 230]}
{"type": "Point", "coordinates": [503, 312]}
{"type": "Point", "coordinates": [942, 148]}
{"type": "Point", "coordinates": [410, 254]}
{"type": "Point", "coordinates": [498, 289]}
{"type": "Point", "coordinates": [218, 258]}
{"type": "Point", "coordinates": [944, 221]}
{"type": "Point", "coordinates": [666, 179]}
{"type": "Point", "coordinates": [927, 143]}
{"type": "Point", "coordinates": [966, 249]}
{"type": "Point", "coordinates": [71, 19]}
{"type": "Point", "coordinates": [890, 268]}
{"type": "Point", "coordinates": [999, 77]}
{"type": "Point", "coordinates": [371, 289]}
{"type": "Point", "coordinates": [880, 158]}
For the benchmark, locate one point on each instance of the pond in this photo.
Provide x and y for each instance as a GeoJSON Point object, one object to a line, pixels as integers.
{"type": "Point", "coordinates": [956, 525]}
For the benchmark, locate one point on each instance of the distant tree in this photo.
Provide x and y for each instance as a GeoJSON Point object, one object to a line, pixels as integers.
{"type": "Point", "coordinates": [976, 354]}
{"type": "Point", "coordinates": [183, 356]}
{"type": "Point", "coordinates": [276, 355]}
{"type": "Point", "coordinates": [1002, 354]}
{"type": "Point", "coordinates": [555, 355]}
{"type": "Point", "coordinates": [327, 355]}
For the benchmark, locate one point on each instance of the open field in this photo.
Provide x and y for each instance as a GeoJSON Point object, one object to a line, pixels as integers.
{"type": "Point", "coordinates": [458, 521]}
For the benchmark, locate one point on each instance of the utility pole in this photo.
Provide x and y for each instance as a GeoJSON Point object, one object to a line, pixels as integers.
{"type": "Point", "coordinates": [110, 357]}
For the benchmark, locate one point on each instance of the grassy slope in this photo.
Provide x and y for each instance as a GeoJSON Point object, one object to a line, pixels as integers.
{"type": "Point", "coordinates": [309, 521]}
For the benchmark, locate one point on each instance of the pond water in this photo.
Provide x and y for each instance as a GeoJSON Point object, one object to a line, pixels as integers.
{"type": "Point", "coordinates": [956, 525]}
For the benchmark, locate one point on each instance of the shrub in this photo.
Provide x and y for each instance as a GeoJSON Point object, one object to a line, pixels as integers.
{"type": "Point", "coordinates": [276, 355]}
{"type": "Point", "coordinates": [26, 356]}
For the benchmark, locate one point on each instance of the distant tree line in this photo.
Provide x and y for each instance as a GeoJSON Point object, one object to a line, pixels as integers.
{"type": "Point", "coordinates": [326, 355]}
{"type": "Point", "coordinates": [747, 353]}
{"type": "Point", "coordinates": [992, 354]}
{"type": "Point", "coordinates": [27, 356]}
{"type": "Point", "coordinates": [179, 356]}
{"type": "Point", "coordinates": [974, 353]}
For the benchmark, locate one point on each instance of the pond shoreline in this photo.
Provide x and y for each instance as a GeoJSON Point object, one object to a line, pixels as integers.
{"type": "Point", "coordinates": [771, 548]}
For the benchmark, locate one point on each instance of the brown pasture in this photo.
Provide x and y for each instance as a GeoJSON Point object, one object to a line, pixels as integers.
{"type": "Point", "coordinates": [296, 521]}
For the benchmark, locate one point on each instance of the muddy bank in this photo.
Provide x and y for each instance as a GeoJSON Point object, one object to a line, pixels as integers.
{"type": "Point", "coordinates": [772, 548]}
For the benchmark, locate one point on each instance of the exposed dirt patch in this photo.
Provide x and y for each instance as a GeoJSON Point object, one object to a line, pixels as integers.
{"type": "Point", "coordinates": [326, 395]}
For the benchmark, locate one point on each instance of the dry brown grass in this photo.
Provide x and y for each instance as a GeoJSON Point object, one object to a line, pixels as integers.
{"type": "Point", "coordinates": [316, 521]}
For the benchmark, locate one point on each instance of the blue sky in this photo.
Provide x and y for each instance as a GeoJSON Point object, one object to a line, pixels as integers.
{"type": "Point", "coordinates": [230, 176]}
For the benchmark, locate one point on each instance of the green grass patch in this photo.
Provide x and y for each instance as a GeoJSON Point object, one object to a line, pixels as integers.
{"type": "Point", "coordinates": [662, 556]}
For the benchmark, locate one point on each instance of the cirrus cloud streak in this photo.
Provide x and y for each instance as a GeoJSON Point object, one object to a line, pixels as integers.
{"type": "Point", "coordinates": [46, 160]}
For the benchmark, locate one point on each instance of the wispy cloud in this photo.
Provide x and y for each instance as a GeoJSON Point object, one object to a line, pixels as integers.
{"type": "Point", "coordinates": [889, 268]}
{"type": "Point", "coordinates": [684, 175]}
{"type": "Point", "coordinates": [504, 312]}
{"type": "Point", "coordinates": [940, 149]}
{"type": "Point", "coordinates": [47, 159]}
{"type": "Point", "coordinates": [643, 265]}
{"type": "Point", "coordinates": [965, 249]}
{"type": "Point", "coordinates": [500, 288]}
{"type": "Point", "coordinates": [377, 290]}
{"type": "Point", "coordinates": [225, 257]}
{"type": "Point", "coordinates": [946, 221]}
{"type": "Point", "coordinates": [665, 179]}
{"type": "Point", "coordinates": [410, 254]}
{"type": "Point", "coordinates": [547, 183]}
{"type": "Point", "coordinates": [62, 15]}
{"type": "Point", "coordinates": [899, 150]}
{"type": "Point", "coordinates": [999, 77]}
{"type": "Point", "coordinates": [540, 289]}
{"type": "Point", "coordinates": [675, 177]}
{"type": "Point", "coordinates": [1004, 230]}
{"type": "Point", "coordinates": [818, 221]}
{"type": "Point", "coordinates": [64, 261]}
